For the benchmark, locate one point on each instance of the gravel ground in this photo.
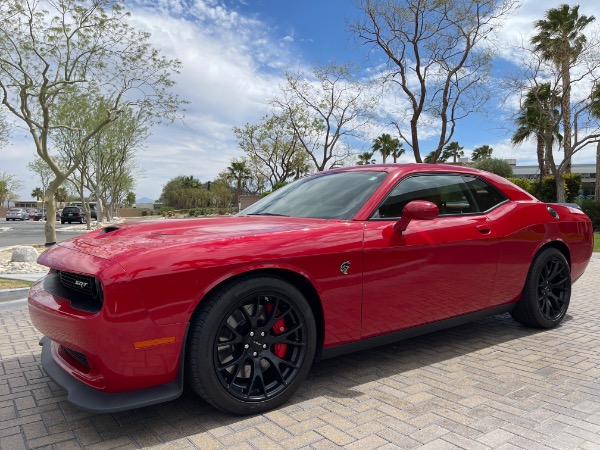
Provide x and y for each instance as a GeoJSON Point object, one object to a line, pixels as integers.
{"type": "Point", "coordinates": [6, 266]}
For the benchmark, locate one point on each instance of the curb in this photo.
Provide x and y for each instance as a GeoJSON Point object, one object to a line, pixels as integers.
{"type": "Point", "coordinates": [13, 294]}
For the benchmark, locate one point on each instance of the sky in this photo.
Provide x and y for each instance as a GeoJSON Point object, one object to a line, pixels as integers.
{"type": "Point", "coordinates": [234, 56]}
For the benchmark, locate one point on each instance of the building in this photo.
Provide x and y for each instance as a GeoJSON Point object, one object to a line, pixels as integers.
{"type": "Point", "coordinates": [587, 171]}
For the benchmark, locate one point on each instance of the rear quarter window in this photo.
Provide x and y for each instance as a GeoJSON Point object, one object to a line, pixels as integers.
{"type": "Point", "coordinates": [486, 196]}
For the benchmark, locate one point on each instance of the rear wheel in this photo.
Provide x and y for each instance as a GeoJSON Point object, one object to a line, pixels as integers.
{"type": "Point", "coordinates": [547, 291]}
{"type": "Point", "coordinates": [250, 345]}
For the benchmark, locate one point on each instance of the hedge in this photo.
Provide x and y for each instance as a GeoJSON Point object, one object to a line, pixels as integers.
{"type": "Point", "coordinates": [548, 191]}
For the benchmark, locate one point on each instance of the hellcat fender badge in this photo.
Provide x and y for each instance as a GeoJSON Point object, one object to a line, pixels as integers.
{"type": "Point", "coordinates": [344, 267]}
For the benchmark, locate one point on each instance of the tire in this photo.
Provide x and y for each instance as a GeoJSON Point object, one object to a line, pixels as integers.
{"type": "Point", "coordinates": [250, 345]}
{"type": "Point", "coordinates": [547, 291]}
{"type": "Point", "coordinates": [62, 222]}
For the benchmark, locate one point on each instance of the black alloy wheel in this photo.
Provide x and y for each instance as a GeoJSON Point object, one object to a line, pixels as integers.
{"type": "Point", "coordinates": [547, 291]}
{"type": "Point", "coordinates": [554, 288]}
{"type": "Point", "coordinates": [260, 347]}
{"type": "Point", "coordinates": [250, 345]}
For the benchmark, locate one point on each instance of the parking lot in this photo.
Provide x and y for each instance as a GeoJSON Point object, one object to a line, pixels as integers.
{"type": "Point", "coordinates": [489, 384]}
{"type": "Point", "coordinates": [32, 232]}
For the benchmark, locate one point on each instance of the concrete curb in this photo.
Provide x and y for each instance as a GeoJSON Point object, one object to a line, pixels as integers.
{"type": "Point", "coordinates": [13, 294]}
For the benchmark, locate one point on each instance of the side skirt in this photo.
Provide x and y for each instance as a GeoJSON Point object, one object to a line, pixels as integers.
{"type": "Point", "coordinates": [388, 338]}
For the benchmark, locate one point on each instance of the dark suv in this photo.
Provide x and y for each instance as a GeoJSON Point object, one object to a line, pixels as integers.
{"type": "Point", "coordinates": [72, 214]}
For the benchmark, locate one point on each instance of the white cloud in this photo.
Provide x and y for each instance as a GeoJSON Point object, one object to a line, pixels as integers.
{"type": "Point", "coordinates": [231, 68]}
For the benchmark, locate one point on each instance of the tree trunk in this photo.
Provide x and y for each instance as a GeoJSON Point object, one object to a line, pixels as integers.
{"type": "Point", "coordinates": [546, 169]}
{"type": "Point", "coordinates": [540, 152]}
{"type": "Point", "coordinates": [566, 114]}
{"type": "Point", "coordinates": [50, 227]}
{"type": "Point", "coordinates": [597, 187]}
{"type": "Point", "coordinates": [560, 187]}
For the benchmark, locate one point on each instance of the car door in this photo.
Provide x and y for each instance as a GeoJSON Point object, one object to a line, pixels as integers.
{"type": "Point", "coordinates": [435, 269]}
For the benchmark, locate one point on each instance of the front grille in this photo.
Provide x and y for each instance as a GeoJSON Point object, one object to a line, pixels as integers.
{"type": "Point", "coordinates": [80, 357]}
{"type": "Point", "coordinates": [84, 292]}
{"type": "Point", "coordinates": [82, 283]}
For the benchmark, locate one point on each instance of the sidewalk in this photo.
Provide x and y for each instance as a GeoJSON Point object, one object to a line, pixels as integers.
{"type": "Point", "coordinates": [491, 384]}
{"type": "Point", "coordinates": [7, 295]}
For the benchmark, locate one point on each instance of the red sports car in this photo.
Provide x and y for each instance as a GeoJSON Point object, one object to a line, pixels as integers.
{"type": "Point", "coordinates": [239, 307]}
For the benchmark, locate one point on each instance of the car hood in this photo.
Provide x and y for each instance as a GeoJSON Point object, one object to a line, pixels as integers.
{"type": "Point", "coordinates": [124, 239]}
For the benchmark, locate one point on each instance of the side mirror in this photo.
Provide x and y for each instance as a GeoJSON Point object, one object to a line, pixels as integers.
{"type": "Point", "coordinates": [416, 210]}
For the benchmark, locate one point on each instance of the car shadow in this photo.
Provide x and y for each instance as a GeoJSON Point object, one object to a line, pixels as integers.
{"type": "Point", "coordinates": [330, 384]}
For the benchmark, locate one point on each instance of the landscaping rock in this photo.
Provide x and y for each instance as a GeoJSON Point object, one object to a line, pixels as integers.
{"type": "Point", "coordinates": [24, 254]}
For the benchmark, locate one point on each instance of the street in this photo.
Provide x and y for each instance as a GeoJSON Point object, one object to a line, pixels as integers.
{"type": "Point", "coordinates": [30, 232]}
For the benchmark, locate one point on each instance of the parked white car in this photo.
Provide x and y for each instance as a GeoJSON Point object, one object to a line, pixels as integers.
{"type": "Point", "coordinates": [17, 214]}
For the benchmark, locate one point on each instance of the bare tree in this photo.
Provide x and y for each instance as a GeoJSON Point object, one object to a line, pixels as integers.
{"type": "Point", "coordinates": [437, 61]}
{"type": "Point", "coordinates": [322, 111]}
{"type": "Point", "coordinates": [273, 149]}
{"type": "Point", "coordinates": [77, 47]}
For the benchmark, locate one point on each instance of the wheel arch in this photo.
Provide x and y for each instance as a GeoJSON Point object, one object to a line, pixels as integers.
{"type": "Point", "coordinates": [295, 279]}
{"type": "Point", "coordinates": [560, 246]}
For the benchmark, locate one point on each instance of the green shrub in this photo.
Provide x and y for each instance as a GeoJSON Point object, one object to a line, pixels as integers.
{"type": "Point", "coordinates": [495, 165]}
{"type": "Point", "coordinates": [548, 190]}
{"type": "Point", "coordinates": [592, 209]}
{"type": "Point", "coordinates": [523, 183]}
{"type": "Point", "coordinates": [144, 213]}
{"type": "Point", "coordinates": [572, 186]}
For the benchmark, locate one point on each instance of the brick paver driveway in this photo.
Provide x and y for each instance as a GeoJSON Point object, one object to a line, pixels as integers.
{"type": "Point", "coordinates": [489, 384]}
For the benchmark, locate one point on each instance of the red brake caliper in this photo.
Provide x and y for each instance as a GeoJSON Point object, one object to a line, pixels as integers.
{"type": "Point", "coordinates": [279, 327]}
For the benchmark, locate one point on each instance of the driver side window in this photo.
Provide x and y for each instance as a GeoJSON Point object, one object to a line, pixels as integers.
{"type": "Point", "coordinates": [448, 192]}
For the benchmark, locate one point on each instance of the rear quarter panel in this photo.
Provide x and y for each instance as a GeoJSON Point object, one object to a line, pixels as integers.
{"type": "Point", "coordinates": [524, 228]}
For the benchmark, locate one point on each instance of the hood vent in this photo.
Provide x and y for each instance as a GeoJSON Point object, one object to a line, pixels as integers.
{"type": "Point", "coordinates": [109, 229]}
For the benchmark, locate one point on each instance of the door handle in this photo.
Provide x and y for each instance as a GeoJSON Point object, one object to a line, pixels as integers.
{"type": "Point", "coordinates": [483, 229]}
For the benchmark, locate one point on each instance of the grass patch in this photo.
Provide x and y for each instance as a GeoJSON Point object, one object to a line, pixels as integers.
{"type": "Point", "coordinates": [10, 283]}
{"type": "Point", "coordinates": [597, 242]}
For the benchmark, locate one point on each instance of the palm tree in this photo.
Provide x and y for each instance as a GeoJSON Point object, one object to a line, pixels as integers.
{"type": "Point", "coordinates": [539, 117]}
{"type": "Point", "coordinates": [239, 171]}
{"type": "Point", "coordinates": [429, 159]}
{"type": "Point", "coordinates": [482, 152]}
{"type": "Point", "coordinates": [387, 146]}
{"type": "Point", "coordinates": [37, 193]}
{"type": "Point", "coordinates": [454, 150]}
{"type": "Point", "coordinates": [397, 152]}
{"type": "Point", "coordinates": [365, 158]}
{"type": "Point", "coordinates": [561, 41]}
{"type": "Point", "coordinates": [61, 195]}
{"type": "Point", "coordinates": [130, 199]}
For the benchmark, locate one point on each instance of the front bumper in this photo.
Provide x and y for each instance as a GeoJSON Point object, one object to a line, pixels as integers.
{"type": "Point", "coordinates": [92, 400]}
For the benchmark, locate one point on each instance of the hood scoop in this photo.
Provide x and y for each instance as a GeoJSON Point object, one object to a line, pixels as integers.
{"type": "Point", "coordinates": [109, 229]}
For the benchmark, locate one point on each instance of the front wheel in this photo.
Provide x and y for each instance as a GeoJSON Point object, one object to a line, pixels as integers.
{"type": "Point", "coordinates": [547, 291]}
{"type": "Point", "coordinates": [251, 344]}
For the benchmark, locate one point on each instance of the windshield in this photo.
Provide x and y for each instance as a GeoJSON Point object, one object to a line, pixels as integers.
{"type": "Point", "coordinates": [335, 195]}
